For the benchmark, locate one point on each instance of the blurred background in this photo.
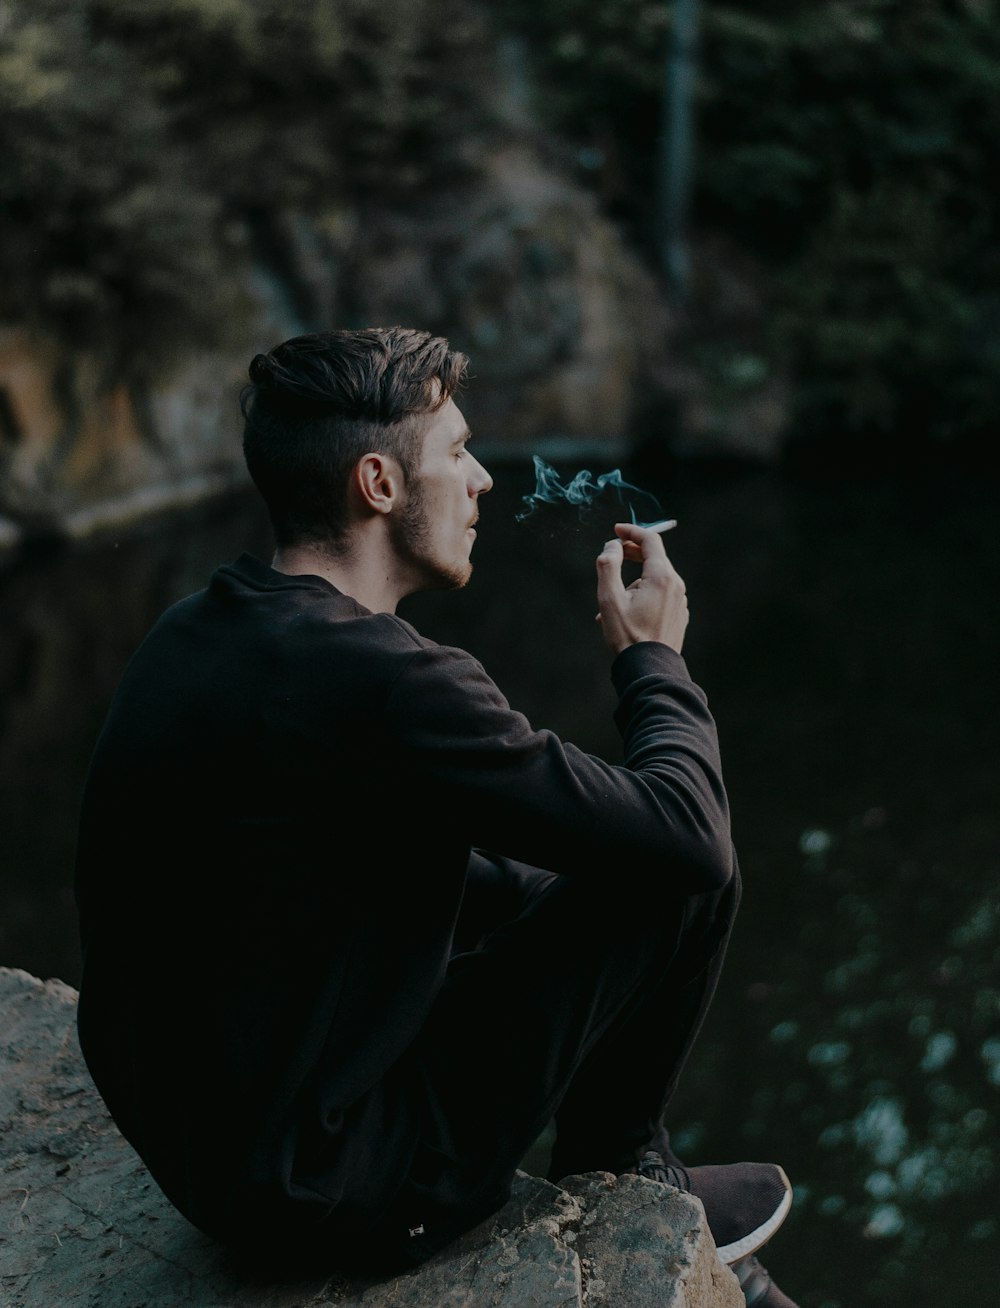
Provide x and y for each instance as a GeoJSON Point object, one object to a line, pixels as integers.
{"type": "Point", "coordinates": [746, 255]}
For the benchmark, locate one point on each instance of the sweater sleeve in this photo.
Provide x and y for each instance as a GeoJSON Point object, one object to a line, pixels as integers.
{"type": "Point", "coordinates": [527, 794]}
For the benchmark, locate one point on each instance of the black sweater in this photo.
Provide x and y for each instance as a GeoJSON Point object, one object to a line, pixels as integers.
{"type": "Point", "coordinates": [275, 832]}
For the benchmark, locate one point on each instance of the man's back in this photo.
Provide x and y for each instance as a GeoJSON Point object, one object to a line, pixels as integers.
{"type": "Point", "coordinates": [275, 836]}
{"type": "Point", "coordinates": [253, 893]}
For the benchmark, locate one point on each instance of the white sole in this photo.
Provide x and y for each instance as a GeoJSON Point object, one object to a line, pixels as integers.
{"type": "Point", "coordinates": [732, 1253]}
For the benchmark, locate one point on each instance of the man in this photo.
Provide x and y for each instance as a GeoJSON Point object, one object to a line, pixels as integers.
{"type": "Point", "coordinates": [354, 932]}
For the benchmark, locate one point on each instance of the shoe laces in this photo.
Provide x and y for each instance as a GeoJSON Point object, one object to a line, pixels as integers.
{"type": "Point", "coordinates": [655, 1168]}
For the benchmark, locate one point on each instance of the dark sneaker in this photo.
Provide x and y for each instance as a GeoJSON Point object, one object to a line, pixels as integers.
{"type": "Point", "coordinates": [744, 1203]}
{"type": "Point", "coordinates": [759, 1290]}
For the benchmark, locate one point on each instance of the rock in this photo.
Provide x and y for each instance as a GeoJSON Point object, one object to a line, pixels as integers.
{"type": "Point", "coordinates": [83, 1223]}
{"type": "Point", "coordinates": [83, 451]}
{"type": "Point", "coordinates": [10, 534]}
{"type": "Point", "coordinates": [515, 264]}
{"type": "Point", "coordinates": [634, 1231]}
{"type": "Point", "coordinates": [564, 325]}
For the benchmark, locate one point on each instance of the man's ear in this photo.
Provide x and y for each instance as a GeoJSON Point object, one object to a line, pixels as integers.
{"type": "Point", "coordinates": [378, 481]}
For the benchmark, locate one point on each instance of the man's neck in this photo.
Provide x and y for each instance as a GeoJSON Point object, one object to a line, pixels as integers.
{"type": "Point", "coordinates": [369, 576]}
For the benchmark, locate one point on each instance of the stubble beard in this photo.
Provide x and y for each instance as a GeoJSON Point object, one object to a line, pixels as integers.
{"type": "Point", "coordinates": [411, 536]}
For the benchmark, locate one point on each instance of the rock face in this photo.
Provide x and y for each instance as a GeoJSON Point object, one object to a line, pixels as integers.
{"type": "Point", "coordinates": [80, 450]}
{"type": "Point", "coordinates": [562, 323]}
{"type": "Point", "coordinates": [83, 1224]}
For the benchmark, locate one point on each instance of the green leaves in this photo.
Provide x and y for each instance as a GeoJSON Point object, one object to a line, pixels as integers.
{"type": "Point", "coordinates": [149, 144]}
{"type": "Point", "coordinates": [849, 148]}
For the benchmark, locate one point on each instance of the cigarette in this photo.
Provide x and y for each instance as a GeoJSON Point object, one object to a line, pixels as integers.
{"type": "Point", "coordinates": [663, 526]}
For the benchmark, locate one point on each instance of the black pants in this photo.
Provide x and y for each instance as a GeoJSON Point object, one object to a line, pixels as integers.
{"type": "Point", "coordinates": [571, 999]}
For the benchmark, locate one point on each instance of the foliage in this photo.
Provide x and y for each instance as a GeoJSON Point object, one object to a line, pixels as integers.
{"type": "Point", "coordinates": [151, 147]}
{"type": "Point", "coordinates": [850, 147]}
{"type": "Point", "coordinates": [148, 143]}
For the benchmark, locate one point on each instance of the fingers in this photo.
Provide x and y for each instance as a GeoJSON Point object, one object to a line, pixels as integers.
{"type": "Point", "coordinates": [654, 606]}
{"type": "Point", "coordinates": [609, 573]}
{"type": "Point", "coordinates": [640, 545]}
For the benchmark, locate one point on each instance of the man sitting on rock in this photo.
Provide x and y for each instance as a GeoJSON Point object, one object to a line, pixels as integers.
{"type": "Point", "coordinates": [354, 931]}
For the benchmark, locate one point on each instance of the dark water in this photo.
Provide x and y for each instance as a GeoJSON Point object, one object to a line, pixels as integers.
{"type": "Point", "coordinates": [847, 638]}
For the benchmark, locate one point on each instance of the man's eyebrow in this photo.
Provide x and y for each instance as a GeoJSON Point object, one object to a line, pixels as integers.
{"type": "Point", "coordinates": [463, 438]}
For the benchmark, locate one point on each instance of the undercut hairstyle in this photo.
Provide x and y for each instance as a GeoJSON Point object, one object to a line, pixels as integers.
{"type": "Point", "coordinates": [318, 403]}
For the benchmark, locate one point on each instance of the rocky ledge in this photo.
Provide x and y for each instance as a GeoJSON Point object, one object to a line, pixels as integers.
{"type": "Point", "coordinates": [84, 1226]}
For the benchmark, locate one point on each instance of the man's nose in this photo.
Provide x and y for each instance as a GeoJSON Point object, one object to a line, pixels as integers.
{"type": "Point", "coordinates": [480, 481]}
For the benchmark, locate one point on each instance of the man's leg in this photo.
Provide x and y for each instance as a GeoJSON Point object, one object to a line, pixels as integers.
{"type": "Point", "coordinates": [541, 1017]}
{"type": "Point", "coordinates": [653, 1051]}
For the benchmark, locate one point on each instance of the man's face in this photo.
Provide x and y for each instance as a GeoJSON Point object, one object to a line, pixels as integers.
{"type": "Point", "coordinates": [432, 531]}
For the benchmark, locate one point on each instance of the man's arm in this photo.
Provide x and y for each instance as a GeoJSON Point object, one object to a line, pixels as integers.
{"type": "Point", "coordinates": [538, 799]}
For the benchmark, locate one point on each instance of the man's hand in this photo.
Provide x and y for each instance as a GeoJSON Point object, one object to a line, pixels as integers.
{"type": "Point", "coordinates": [654, 606]}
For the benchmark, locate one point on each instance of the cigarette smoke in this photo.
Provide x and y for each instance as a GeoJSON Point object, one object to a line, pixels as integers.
{"type": "Point", "coordinates": [583, 490]}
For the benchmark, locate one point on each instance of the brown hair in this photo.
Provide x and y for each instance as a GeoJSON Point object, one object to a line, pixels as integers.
{"type": "Point", "coordinates": [317, 403]}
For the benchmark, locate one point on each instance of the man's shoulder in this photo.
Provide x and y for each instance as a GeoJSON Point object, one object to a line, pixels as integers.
{"type": "Point", "coordinates": [311, 620]}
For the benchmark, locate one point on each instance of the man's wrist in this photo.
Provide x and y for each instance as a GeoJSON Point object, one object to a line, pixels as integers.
{"type": "Point", "coordinates": [644, 657]}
